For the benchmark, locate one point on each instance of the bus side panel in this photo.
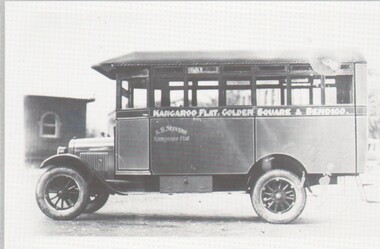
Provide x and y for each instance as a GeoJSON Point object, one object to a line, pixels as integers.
{"type": "Point", "coordinates": [318, 143]}
{"type": "Point", "coordinates": [191, 146]}
{"type": "Point", "coordinates": [361, 98]}
{"type": "Point", "coordinates": [362, 143]}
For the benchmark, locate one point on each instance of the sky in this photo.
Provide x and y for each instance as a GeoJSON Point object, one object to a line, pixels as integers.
{"type": "Point", "coordinates": [50, 46]}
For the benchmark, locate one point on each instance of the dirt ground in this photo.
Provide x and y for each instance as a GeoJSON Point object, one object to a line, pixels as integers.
{"type": "Point", "coordinates": [337, 212]}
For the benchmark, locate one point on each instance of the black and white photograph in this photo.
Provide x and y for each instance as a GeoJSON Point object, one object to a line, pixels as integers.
{"type": "Point", "coordinates": [191, 124]}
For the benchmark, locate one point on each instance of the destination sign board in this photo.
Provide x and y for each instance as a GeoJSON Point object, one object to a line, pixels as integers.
{"type": "Point", "coordinates": [252, 112]}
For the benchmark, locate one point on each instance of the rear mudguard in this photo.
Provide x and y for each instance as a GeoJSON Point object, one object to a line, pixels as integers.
{"type": "Point", "coordinates": [80, 165]}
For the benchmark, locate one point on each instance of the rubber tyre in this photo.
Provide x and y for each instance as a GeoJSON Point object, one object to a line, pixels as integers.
{"type": "Point", "coordinates": [82, 199]}
{"type": "Point", "coordinates": [100, 197]}
{"type": "Point", "coordinates": [294, 211]}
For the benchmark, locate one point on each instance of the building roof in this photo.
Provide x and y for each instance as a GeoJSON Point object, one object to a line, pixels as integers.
{"type": "Point", "coordinates": [60, 98]}
{"type": "Point", "coordinates": [109, 67]}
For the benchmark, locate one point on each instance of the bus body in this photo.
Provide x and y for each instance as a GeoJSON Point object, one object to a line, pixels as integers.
{"type": "Point", "coordinates": [223, 121]}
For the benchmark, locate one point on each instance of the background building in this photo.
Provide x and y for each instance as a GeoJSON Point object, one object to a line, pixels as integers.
{"type": "Point", "coordinates": [51, 122]}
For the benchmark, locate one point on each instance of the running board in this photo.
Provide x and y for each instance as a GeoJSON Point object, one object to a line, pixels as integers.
{"type": "Point", "coordinates": [133, 173]}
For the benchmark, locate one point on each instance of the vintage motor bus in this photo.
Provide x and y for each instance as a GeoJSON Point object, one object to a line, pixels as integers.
{"type": "Point", "coordinates": [197, 122]}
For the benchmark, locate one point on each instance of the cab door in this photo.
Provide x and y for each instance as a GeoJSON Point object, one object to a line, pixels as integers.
{"type": "Point", "coordinates": [132, 127]}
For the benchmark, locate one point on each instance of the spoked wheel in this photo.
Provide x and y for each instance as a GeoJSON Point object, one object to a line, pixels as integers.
{"type": "Point", "coordinates": [278, 197]}
{"type": "Point", "coordinates": [98, 198]}
{"type": "Point", "coordinates": [62, 193]}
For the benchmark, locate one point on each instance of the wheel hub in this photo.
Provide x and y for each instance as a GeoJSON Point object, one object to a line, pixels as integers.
{"type": "Point", "coordinates": [278, 196]}
{"type": "Point", "coordinates": [62, 193]}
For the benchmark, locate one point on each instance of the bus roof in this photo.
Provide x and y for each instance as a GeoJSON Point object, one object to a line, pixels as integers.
{"type": "Point", "coordinates": [171, 58]}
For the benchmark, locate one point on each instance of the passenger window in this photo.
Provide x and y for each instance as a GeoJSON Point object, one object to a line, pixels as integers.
{"type": "Point", "coordinates": [140, 98]}
{"type": "Point", "coordinates": [338, 90]}
{"type": "Point", "coordinates": [190, 96]}
{"type": "Point", "coordinates": [300, 96]}
{"type": "Point", "coordinates": [238, 92]}
{"type": "Point", "coordinates": [268, 97]}
{"type": "Point", "coordinates": [208, 83]}
{"type": "Point", "coordinates": [124, 94]}
{"type": "Point", "coordinates": [330, 91]}
{"type": "Point", "coordinates": [175, 83]}
{"type": "Point", "coordinates": [169, 93]}
{"type": "Point", "coordinates": [177, 98]}
{"type": "Point", "coordinates": [268, 92]}
{"type": "Point", "coordinates": [344, 89]}
{"type": "Point", "coordinates": [238, 97]}
{"type": "Point", "coordinates": [134, 94]}
{"type": "Point", "coordinates": [207, 97]}
{"type": "Point", "coordinates": [301, 88]}
{"type": "Point", "coordinates": [157, 97]}
{"type": "Point", "coordinates": [238, 82]}
{"type": "Point", "coordinates": [203, 92]}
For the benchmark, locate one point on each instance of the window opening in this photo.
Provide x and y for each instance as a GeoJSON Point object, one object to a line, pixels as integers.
{"type": "Point", "coordinates": [238, 82]}
{"type": "Point", "coordinates": [208, 83]}
{"type": "Point", "coordinates": [238, 92]}
{"type": "Point", "coordinates": [301, 91]}
{"type": "Point", "coordinates": [169, 93]}
{"type": "Point", "coordinates": [140, 98]}
{"type": "Point", "coordinates": [49, 125]}
{"type": "Point", "coordinates": [125, 94]}
{"type": "Point", "coordinates": [175, 83]}
{"type": "Point", "coordinates": [336, 90]}
{"type": "Point", "coordinates": [157, 97]}
{"type": "Point", "coordinates": [238, 97]}
{"type": "Point", "coordinates": [207, 97]}
{"type": "Point", "coordinates": [177, 98]}
{"type": "Point", "coordinates": [270, 92]}
{"type": "Point", "coordinates": [134, 94]}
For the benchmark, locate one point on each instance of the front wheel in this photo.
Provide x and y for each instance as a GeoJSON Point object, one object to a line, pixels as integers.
{"type": "Point", "coordinates": [278, 196]}
{"type": "Point", "coordinates": [62, 193]}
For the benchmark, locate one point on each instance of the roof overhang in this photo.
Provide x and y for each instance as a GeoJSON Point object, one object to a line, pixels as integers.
{"type": "Point", "coordinates": [60, 98]}
{"type": "Point", "coordinates": [110, 67]}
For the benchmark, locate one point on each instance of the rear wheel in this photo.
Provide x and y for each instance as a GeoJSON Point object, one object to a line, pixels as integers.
{"type": "Point", "coordinates": [62, 193]}
{"type": "Point", "coordinates": [278, 196]}
{"type": "Point", "coordinates": [98, 198]}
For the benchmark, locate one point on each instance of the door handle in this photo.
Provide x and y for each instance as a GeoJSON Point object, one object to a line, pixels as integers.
{"type": "Point", "coordinates": [145, 114]}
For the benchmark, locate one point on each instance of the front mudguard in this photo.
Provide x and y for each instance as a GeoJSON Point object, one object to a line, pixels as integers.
{"type": "Point", "coordinates": [73, 161]}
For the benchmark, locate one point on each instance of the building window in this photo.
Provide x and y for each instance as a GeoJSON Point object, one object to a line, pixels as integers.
{"type": "Point", "coordinates": [49, 125]}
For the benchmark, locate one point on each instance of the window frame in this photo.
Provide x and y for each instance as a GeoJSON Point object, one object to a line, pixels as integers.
{"type": "Point", "coordinates": [130, 77]}
{"type": "Point", "coordinates": [238, 77]}
{"type": "Point", "coordinates": [167, 79]}
{"type": "Point", "coordinates": [56, 125]}
{"type": "Point", "coordinates": [226, 72]}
